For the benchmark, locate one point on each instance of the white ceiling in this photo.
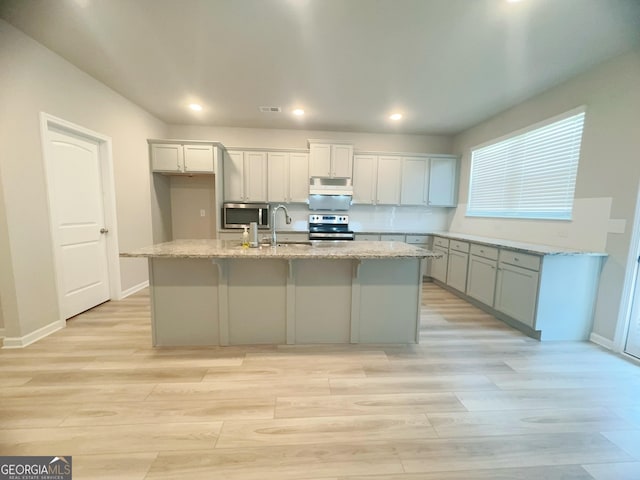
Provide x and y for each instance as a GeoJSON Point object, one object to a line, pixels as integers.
{"type": "Point", "coordinates": [445, 64]}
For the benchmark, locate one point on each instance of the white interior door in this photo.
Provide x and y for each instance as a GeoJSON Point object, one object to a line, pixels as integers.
{"type": "Point", "coordinates": [77, 213]}
{"type": "Point", "coordinates": [632, 346]}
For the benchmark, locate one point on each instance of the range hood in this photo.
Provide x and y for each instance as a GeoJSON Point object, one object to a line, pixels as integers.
{"type": "Point", "coordinates": [330, 193]}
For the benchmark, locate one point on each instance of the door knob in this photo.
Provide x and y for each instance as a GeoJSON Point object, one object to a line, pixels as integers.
{"type": "Point", "coordinates": [104, 230]}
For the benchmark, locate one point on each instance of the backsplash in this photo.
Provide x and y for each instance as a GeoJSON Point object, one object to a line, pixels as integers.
{"type": "Point", "coordinates": [368, 218]}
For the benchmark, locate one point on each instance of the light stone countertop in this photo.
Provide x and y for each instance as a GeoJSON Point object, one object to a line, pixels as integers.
{"type": "Point", "coordinates": [315, 249]}
{"type": "Point", "coordinates": [534, 248]}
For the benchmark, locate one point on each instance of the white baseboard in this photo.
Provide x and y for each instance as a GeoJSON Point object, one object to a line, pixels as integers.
{"type": "Point", "coordinates": [603, 342]}
{"type": "Point", "coordinates": [28, 339]}
{"type": "Point", "coordinates": [134, 289]}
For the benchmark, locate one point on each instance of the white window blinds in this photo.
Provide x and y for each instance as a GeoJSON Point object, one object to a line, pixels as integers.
{"type": "Point", "coordinates": [528, 175]}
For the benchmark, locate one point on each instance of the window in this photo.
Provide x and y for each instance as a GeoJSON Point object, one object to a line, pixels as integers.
{"type": "Point", "coordinates": [530, 174]}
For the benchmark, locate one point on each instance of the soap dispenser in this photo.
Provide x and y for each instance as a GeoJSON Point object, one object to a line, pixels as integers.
{"type": "Point", "coordinates": [245, 238]}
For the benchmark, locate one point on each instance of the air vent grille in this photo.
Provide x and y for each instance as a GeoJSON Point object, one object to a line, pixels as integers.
{"type": "Point", "coordinates": [270, 109]}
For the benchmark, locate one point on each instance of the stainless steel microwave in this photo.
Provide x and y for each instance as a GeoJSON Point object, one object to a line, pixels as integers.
{"type": "Point", "coordinates": [239, 215]}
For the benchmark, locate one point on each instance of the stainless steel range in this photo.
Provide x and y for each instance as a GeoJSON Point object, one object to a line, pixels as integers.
{"type": "Point", "coordinates": [329, 227]}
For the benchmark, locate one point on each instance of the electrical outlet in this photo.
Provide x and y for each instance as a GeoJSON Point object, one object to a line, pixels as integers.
{"type": "Point", "coordinates": [202, 212]}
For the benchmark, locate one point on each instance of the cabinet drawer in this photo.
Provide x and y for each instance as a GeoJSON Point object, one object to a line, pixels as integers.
{"type": "Point", "coordinates": [391, 237]}
{"type": "Point", "coordinates": [441, 242]}
{"type": "Point", "coordinates": [417, 239]}
{"type": "Point", "coordinates": [484, 251]}
{"type": "Point", "coordinates": [459, 246]}
{"type": "Point", "coordinates": [532, 262]}
{"type": "Point", "coordinates": [363, 237]}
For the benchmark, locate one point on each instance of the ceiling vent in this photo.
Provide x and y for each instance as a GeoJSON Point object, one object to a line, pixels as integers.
{"type": "Point", "coordinates": [270, 109]}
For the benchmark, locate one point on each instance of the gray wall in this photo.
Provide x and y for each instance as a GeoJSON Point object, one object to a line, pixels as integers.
{"type": "Point", "coordinates": [608, 173]}
{"type": "Point", "coordinates": [32, 80]}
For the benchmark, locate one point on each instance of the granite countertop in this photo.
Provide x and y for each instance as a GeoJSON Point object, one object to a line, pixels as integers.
{"type": "Point", "coordinates": [316, 249]}
{"type": "Point", "coordinates": [534, 248]}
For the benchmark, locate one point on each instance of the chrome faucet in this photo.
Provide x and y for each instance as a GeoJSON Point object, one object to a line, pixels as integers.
{"type": "Point", "coordinates": [273, 222]}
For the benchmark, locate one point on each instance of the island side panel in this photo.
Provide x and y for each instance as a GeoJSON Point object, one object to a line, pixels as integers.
{"type": "Point", "coordinates": [566, 297]}
{"type": "Point", "coordinates": [389, 300]}
{"type": "Point", "coordinates": [257, 301]}
{"type": "Point", "coordinates": [323, 300]}
{"type": "Point", "coordinates": [185, 302]}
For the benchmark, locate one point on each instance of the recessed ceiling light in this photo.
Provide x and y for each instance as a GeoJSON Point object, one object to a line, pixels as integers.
{"type": "Point", "coordinates": [514, 1]}
{"type": "Point", "coordinates": [395, 116]}
{"type": "Point", "coordinates": [298, 112]}
{"type": "Point", "coordinates": [195, 107]}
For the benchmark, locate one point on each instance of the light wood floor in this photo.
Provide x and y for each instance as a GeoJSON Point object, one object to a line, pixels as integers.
{"type": "Point", "coordinates": [475, 400]}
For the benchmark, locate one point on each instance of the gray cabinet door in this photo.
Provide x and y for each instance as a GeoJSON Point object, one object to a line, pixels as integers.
{"type": "Point", "coordinates": [481, 279]}
{"type": "Point", "coordinates": [198, 158]}
{"type": "Point", "coordinates": [457, 270]}
{"type": "Point", "coordinates": [443, 182]}
{"type": "Point", "coordinates": [517, 293]}
{"type": "Point", "coordinates": [439, 265]}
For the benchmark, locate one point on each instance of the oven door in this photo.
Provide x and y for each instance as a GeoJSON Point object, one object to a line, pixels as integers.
{"type": "Point", "coordinates": [327, 232]}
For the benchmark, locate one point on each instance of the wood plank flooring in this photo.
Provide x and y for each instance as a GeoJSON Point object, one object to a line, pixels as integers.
{"type": "Point", "coordinates": [475, 400]}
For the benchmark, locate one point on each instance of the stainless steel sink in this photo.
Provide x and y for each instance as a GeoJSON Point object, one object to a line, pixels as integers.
{"type": "Point", "coordinates": [294, 244]}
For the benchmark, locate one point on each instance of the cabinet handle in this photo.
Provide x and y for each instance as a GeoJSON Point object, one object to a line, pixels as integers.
{"type": "Point", "coordinates": [516, 259]}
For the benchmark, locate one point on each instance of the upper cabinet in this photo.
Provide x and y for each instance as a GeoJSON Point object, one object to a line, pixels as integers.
{"type": "Point", "coordinates": [288, 177]}
{"type": "Point", "coordinates": [181, 158]}
{"type": "Point", "coordinates": [365, 177]}
{"type": "Point", "coordinates": [245, 176]}
{"type": "Point", "coordinates": [330, 159]}
{"type": "Point", "coordinates": [415, 183]}
{"type": "Point", "coordinates": [404, 180]}
{"type": "Point", "coordinates": [388, 185]}
{"type": "Point", "coordinates": [443, 182]}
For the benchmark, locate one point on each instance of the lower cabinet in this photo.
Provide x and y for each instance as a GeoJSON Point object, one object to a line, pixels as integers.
{"type": "Point", "coordinates": [481, 279]}
{"type": "Point", "coordinates": [392, 237]}
{"type": "Point", "coordinates": [517, 293]}
{"type": "Point", "coordinates": [439, 265]}
{"type": "Point", "coordinates": [421, 241]}
{"type": "Point", "coordinates": [457, 270]}
{"type": "Point", "coordinates": [367, 237]}
{"type": "Point", "coordinates": [457, 265]}
{"type": "Point", "coordinates": [548, 296]}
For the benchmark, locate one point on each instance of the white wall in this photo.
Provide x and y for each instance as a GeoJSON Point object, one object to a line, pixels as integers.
{"type": "Point", "coordinates": [608, 173]}
{"type": "Point", "coordinates": [32, 80]}
{"type": "Point", "coordinates": [6, 277]}
{"type": "Point", "coordinates": [280, 138]}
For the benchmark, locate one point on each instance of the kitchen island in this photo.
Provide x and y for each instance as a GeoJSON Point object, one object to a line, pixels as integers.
{"type": "Point", "coordinates": [216, 292]}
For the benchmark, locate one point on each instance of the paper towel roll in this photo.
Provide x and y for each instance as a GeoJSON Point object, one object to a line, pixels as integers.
{"type": "Point", "coordinates": [253, 235]}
